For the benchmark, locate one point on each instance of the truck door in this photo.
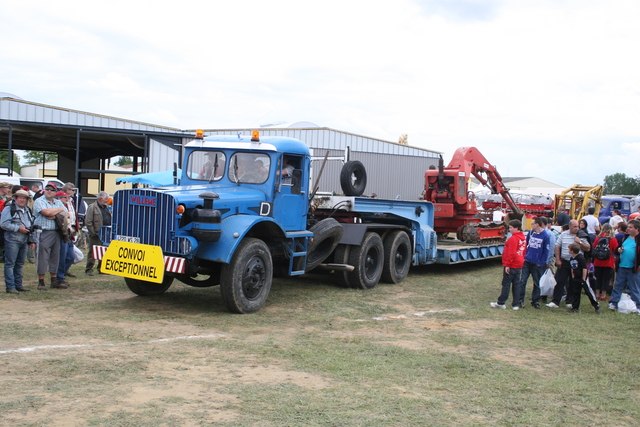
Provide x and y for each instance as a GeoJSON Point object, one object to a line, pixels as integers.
{"type": "Point", "coordinates": [290, 203]}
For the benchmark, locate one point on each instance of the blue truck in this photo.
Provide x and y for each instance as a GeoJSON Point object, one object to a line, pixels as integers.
{"type": "Point", "coordinates": [611, 203]}
{"type": "Point", "coordinates": [243, 210]}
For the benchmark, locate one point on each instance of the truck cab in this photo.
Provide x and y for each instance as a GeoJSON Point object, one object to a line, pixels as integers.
{"type": "Point", "coordinates": [609, 204]}
{"type": "Point", "coordinates": [236, 195]}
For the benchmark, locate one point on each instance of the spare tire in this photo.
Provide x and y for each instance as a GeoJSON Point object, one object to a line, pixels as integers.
{"type": "Point", "coordinates": [353, 178]}
{"type": "Point", "coordinates": [326, 236]}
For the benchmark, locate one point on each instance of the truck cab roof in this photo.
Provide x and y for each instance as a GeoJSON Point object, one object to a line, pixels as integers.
{"type": "Point", "coordinates": [239, 142]}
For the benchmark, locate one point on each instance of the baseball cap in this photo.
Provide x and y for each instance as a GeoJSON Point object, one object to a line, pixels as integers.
{"type": "Point", "coordinates": [61, 194]}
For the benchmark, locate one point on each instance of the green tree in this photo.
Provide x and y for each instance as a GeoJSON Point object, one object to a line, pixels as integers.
{"type": "Point", "coordinates": [4, 160]}
{"type": "Point", "coordinates": [123, 160]}
{"type": "Point", "coordinates": [620, 183]}
{"type": "Point", "coordinates": [35, 157]}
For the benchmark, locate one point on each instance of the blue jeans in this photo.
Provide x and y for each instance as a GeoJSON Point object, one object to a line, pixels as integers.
{"type": "Point", "coordinates": [66, 259]}
{"type": "Point", "coordinates": [15, 254]}
{"type": "Point", "coordinates": [536, 272]}
{"type": "Point", "coordinates": [626, 279]}
{"type": "Point", "coordinates": [510, 281]}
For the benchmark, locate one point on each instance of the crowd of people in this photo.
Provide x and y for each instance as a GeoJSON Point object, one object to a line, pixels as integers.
{"type": "Point", "coordinates": [41, 225]}
{"type": "Point", "coordinates": [600, 260]}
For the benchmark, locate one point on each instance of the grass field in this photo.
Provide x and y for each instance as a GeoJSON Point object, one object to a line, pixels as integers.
{"type": "Point", "coordinates": [428, 351]}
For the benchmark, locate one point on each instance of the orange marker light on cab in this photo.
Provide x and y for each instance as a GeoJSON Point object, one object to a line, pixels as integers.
{"type": "Point", "coordinates": [255, 135]}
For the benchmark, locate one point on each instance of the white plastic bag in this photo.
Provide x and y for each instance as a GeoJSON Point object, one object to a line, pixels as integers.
{"type": "Point", "coordinates": [626, 304]}
{"type": "Point", "coordinates": [547, 283]}
{"type": "Point", "coordinates": [77, 255]}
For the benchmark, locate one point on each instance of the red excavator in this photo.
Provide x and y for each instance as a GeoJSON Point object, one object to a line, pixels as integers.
{"type": "Point", "coordinates": [455, 207]}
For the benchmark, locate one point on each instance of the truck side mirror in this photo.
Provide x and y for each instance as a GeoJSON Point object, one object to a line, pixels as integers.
{"type": "Point", "coordinates": [296, 181]}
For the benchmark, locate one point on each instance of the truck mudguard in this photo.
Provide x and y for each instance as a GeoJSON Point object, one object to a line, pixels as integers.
{"type": "Point", "coordinates": [234, 229]}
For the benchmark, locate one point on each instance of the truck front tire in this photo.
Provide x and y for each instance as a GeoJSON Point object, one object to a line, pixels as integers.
{"type": "Point", "coordinates": [367, 261]}
{"type": "Point", "coordinates": [147, 289]}
{"type": "Point", "coordinates": [246, 281]}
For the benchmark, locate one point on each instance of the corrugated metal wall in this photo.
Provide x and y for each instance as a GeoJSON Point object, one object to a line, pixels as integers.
{"type": "Point", "coordinates": [392, 169]}
{"type": "Point", "coordinates": [162, 157]}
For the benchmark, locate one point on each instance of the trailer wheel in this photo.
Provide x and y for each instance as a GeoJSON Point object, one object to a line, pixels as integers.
{"type": "Point", "coordinates": [353, 178]}
{"type": "Point", "coordinates": [397, 257]}
{"type": "Point", "coordinates": [341, 256]}
{"type": "Point", "coordinates": [326, 236]}
{"type": "Point", "coordinates": [367, 260]}
{"type": "Point", "coordinates": [147, 289]}
{"type": "Point", "coordinates": [245, 282]}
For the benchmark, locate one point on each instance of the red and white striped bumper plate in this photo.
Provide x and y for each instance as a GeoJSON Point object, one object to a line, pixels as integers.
{"type": "Point", "coordinates": [171, 264]}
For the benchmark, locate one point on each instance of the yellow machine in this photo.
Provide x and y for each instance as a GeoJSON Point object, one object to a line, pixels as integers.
{"type": "Point", "coordinates": [577, 200]}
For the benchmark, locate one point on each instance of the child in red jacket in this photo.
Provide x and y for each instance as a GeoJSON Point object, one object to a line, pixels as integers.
{"type": "Point", "coordinates": [512, 261]}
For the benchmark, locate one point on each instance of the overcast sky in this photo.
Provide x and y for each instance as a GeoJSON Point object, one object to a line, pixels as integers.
{"type": "Point", "coordinates": [542, 88]}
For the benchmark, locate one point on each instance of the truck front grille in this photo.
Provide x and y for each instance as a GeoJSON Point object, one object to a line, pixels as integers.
{"type": "Point", "coordinates": [148, 215]}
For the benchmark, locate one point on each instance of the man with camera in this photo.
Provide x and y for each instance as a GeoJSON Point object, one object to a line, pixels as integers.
{"type": "Point", "coordinates": [18, 225]}
{"type": "Point", "coordinates": [45, 209]}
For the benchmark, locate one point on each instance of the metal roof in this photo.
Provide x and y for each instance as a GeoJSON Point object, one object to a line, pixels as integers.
{"type": "Point", "coordinates": [42, 127]}
{"type": "Point", "coordinates": [332, 139]}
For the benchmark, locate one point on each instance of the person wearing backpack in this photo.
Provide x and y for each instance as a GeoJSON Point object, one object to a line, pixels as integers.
{"type": "Point", "coordinates": [17, 222]}
{"type": "Point", "coordinates": [604, 248]}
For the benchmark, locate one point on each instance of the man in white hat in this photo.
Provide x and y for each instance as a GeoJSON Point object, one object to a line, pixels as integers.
{"type": "Point", "coordinates": [17, 222]}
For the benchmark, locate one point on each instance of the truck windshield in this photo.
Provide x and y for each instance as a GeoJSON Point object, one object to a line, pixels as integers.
{"type": "Point", "coordinates": [206, 165]}
{"type": "Point", "coordinates": [249, 168]}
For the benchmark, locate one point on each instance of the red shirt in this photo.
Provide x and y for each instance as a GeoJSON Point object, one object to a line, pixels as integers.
{"type": "Point", "coordinates": [613, 245]}
{"type": "Point", "coordinates": [514, 250]}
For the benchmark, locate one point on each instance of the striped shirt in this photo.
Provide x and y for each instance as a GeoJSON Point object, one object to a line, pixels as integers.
{"type": "Point", "coordinates": [564, 240]}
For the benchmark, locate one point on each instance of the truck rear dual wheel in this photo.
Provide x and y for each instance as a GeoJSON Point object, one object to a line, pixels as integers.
{"type": "Point", "coordinates": [397, 257]}
{"type": "Point", "coordinates": [147, 289]}
{"type": "Point", "coordinates": [246, 281]}
{"type": "Point", "coordinates": [367, 260]}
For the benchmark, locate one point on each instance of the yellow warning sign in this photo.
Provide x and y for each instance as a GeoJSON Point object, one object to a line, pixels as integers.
{"type": "Point", "coordinates": [134, 260]}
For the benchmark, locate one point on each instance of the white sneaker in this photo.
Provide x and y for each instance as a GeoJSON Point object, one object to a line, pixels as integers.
{"type": "Point", "coordinates": [612, 307]}
{"type": "Point", "coordinates": [552, 305]}
{"type": "Point", "coordinates": [569, 305]}
{"type": "Point", "coordinates": [515, 308]}
{"type": "Point", "coordinates": [496, 305]}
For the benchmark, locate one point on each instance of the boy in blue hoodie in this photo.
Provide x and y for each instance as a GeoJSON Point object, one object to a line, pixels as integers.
{"type": "Point", "coordinates": [535, 260]}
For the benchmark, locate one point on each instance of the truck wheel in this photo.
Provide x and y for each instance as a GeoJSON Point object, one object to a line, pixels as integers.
{"type": "Point", "coordinates": [397, 257]}
{"type": "Point", "coordinates": [147, 289]}
{"type": "Point", "coordinates": [367, 262]}
{"type": "Point", "coordinates": [341, 256]}
{"type": "Point", "coordinates": [245, 282]}
{"type": "Point", "coordinates": [353, 178]}
{"type": "Point", "coordinates": [326, 236]}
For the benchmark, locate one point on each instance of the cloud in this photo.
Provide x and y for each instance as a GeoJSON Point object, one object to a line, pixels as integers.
{"type": "Point", "coordinates": [540, 87]}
